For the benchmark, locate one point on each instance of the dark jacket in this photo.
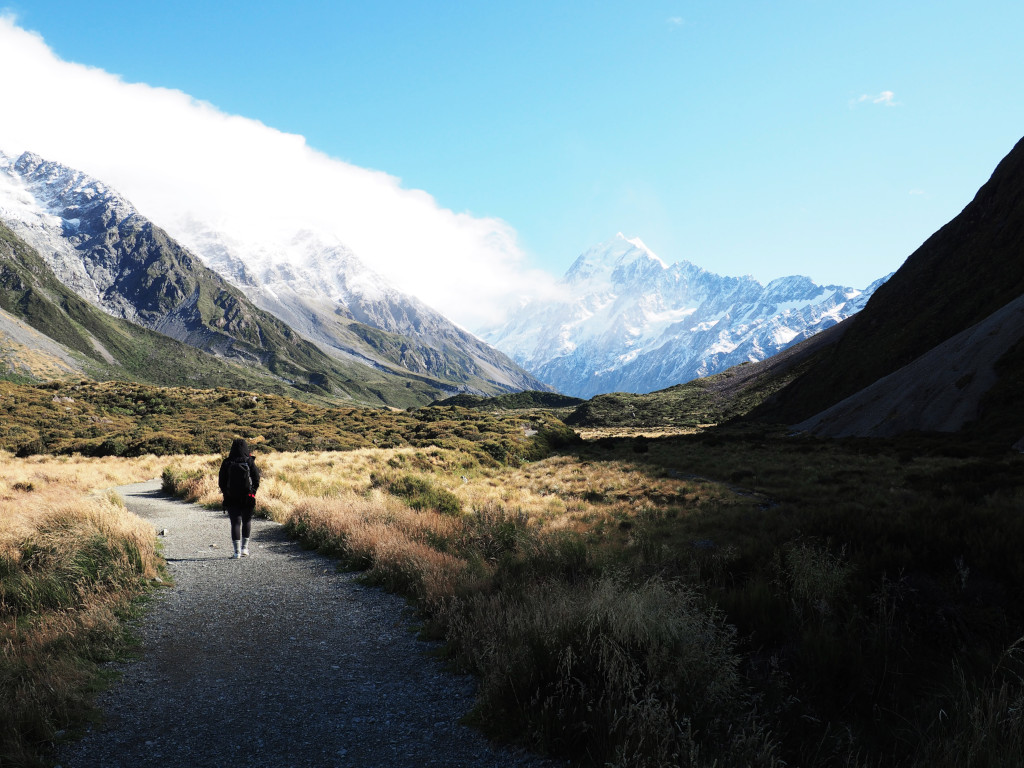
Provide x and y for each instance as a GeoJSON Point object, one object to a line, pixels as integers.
{"type": "Point", "coordinates": [254, 475]}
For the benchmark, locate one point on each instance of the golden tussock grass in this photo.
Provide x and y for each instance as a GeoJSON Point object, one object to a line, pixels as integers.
{"type": "Point", "coordinates": [379, 533]}
{"type": "Point", "coordinates": [72, 559]}
{"type": "Point", "coordinates": [333, 500]}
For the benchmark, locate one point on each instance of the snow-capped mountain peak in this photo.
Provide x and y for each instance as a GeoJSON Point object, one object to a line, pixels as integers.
{"type": "Point", "coordinates": [310, 280]}
{"type": "Point", "coordinates": [613, 260]}
{"type": "Point", "coordinates": [628, 321]}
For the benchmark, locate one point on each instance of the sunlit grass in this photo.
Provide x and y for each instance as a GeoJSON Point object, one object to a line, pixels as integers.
{"type": "Point", "coordinates": [71, 561]}
{"type": "Point", "coordinates": [825, 559]}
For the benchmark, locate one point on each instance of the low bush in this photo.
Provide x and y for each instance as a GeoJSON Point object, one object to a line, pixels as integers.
{"type": "Point", "coordinates": [419, 492]}
{"type": "Point", "coordinates": [625, 674]}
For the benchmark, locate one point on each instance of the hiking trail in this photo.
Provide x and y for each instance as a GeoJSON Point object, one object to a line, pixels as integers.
{"type": "Point", "coordinates": [275, 660]}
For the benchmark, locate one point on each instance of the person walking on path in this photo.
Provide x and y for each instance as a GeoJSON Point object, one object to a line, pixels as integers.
{"type": "Point", "coordinates": [239, 479]}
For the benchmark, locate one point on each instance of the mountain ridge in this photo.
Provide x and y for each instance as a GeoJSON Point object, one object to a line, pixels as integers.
{"type": "Point", "coordinates": [962, 275]}
{"type": "Point", "coordinates": [98, 244]}
{"type": "Point", "coordinates": [50, 332]}
{"type": "Point", "coordinates": [320, 287]}
{"type": "Point", "coordinates": [629, 322]}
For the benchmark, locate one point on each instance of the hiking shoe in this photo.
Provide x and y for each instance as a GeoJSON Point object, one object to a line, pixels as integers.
{"type": "Point", "coordinates": [245, 553]}
{"type": "Point", "coordinates": [236, 556]}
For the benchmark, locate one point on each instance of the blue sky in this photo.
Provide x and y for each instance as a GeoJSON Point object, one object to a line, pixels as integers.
{"type": "Point", "coordinates": [770, 138]}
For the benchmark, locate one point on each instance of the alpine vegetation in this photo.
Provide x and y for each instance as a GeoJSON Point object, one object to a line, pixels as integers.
{"type": "Point", "coordinates": [71, 563]}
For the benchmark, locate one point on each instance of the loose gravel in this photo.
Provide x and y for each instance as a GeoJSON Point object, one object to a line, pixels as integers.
{"type": "Point", "coordinates": [275, 660]}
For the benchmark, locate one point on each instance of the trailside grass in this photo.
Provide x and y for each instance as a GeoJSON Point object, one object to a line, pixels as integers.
{"type": "Point", "coordinates": [72, 560]}
{"type": "Point", "coordinates": [734, 597]}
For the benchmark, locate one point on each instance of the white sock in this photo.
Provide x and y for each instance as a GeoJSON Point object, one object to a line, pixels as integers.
{"type": "Point", "coordinates": [245, 546]}
{"type": "Point", "coordinates": [238, 546]}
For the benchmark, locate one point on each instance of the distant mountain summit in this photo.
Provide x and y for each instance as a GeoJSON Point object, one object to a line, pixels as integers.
{"type": "Point", "coordinates": [627, 321]}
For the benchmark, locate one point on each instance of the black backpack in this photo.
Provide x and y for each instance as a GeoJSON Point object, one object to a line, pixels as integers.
{"type": "Point", "coordinates": [239, 483]}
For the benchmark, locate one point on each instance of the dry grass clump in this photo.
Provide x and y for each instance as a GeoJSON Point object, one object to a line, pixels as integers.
{"type": "Point", "coordinates": [71, 561]}
{"type": "Point", "coordinates": [396, 545]}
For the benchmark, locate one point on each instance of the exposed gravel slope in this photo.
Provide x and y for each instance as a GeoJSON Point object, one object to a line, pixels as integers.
{"type": "Point", "coordinates": [275, 660]}
{"type": "Point", "coordinates": [940, 391]}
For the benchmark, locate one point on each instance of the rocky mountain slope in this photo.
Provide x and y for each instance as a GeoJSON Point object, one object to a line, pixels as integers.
{"type": "Point", "coordinates": [941, 329]}
{"type": "Point", "coordinates": [47, 331]}
{"type": "Point", "coordinates": [938, 392]}
{"type": "Point", "coordinates": [629, 322]}
{"type": "Point", "coordinates": [321, 288]}
{"type": "Point", "coordinates": [96, 243]}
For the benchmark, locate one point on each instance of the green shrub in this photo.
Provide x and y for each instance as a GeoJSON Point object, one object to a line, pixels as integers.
{"type": "Point", "coordinates": [419, 493]}
{"type": "Point", "coordinates": [180, 483]}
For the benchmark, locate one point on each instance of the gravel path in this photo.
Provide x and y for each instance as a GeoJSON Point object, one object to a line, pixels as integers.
{"type": "Point", "coordinates": [275, 660]}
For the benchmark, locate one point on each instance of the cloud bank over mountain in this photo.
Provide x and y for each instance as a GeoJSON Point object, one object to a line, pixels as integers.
{"type": "Point", "coordinates": [179, 159]}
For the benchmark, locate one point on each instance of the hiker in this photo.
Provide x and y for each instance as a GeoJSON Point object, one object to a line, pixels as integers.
{"type": "Point", "coordinates": [239, 479]}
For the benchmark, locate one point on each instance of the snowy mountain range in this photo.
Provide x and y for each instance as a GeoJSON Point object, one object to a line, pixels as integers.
{"type": "Point", "coordinates": [629, 322]}
{"type": "Point", "coordinates": [626, 321]}
{"type": "Point", "coordinates": [98, 244]}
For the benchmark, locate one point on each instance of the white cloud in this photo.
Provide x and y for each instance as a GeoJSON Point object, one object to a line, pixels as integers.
{"type": "Point", "coordinates": [174, 156]}
{"type": "Point", "coordinates": [885, 99]}
{"type": "Point", "coordinates": [676, 21]}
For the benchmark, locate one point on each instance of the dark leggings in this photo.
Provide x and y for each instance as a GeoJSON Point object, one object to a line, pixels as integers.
{"type": "Point", "coordinates": [241, 523]}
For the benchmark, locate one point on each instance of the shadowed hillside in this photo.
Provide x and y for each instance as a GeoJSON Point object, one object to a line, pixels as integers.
{"type": "Point", "coordinates": [961, 275]}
